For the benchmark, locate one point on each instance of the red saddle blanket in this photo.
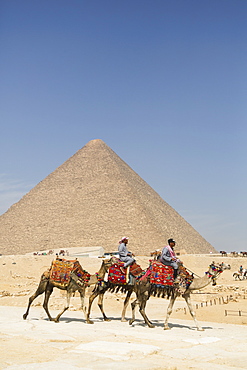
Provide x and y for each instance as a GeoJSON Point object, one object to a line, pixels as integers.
{"type": "Point", "coordinates": [117, 275]}
{"type": "Point", "coordinates": [161, 274]}
{"type": "Point", "coordinates": [62, 269]}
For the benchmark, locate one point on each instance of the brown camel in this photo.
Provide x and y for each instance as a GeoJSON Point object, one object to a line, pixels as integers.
{"type": "Point", "coordinates": [156, 254]}
{"type": "Point", "coordinates": [100, 290]}
{"type": "Point", "coordinates": [46, 286]}
{"type": "Point", "coordinates": [144, 290]}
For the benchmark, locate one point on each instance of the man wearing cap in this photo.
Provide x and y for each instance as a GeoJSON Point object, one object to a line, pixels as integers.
{"type": "Point", "coordinates": [124, 255]}
{"type": "Point", "coordinates": [169, 258]}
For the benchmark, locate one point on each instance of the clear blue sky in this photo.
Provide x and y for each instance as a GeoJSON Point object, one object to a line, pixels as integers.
{"type": "Point", "coordinates": [163, 83]}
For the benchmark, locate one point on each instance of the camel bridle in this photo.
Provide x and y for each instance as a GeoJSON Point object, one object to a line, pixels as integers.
{"type": "Point", "coordinates": [216, 271]}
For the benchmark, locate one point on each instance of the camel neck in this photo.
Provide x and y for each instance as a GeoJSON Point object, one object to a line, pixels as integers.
{"type": "Point", "coordinates": [199, 283]}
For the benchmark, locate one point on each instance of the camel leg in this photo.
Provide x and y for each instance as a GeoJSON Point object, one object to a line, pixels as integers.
{"type": "Point", "coordinates": [126, 302]}
{"type": "Point", "coordinates": [82, 295]}
{"type": "Point", "coordinates": [100, 304]}
{"type": "Point", "coordinates": [189, 304]}
{"type": "Point", "coordinates": [168, 313]}
{"type": "Point", "coordinates": [142, 304]}
{"type": "Point", "coordinates": [143, 313]}
{"type": "Point", "coordinates": [48, 292]}
{"type": "Point", "coordinates": [69, 294]}
{"type": "Point", "coordinates": [133, 306]}
{"type": "Point", "coordinates": [100, 291]}
{"type": "Point", "coordinates": [90, 302]}
{"type": "Point", "coordinates": [40, 290]}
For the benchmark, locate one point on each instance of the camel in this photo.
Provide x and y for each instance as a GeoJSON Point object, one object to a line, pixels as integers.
{"type": "Point", "coordinates": [243, 254]}
{"type": "Point", "coordinates": [156, 254]}
{"type": "Point", "coordinates": [99, 292]}
{"type": "Point", "coordinates": [223, 253]}
{"type": "Point", "coordinates": [46, 286]}
{"type": "Point", "coordinates": [144, 290]}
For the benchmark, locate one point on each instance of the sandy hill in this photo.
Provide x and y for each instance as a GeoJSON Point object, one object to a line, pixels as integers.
{"type": "Point", "coordinates": [93, 199]}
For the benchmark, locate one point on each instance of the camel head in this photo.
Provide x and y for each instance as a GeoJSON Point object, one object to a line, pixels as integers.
{"type": "Point", "coordinates": [107, 263]}
{"type": "Point", "coordinates": [214, 272]}
{"type": "Point", "coordinates": [224, 266]}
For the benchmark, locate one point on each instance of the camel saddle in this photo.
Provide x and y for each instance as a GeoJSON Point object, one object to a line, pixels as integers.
{"type": "Point", "coordinates": [118, 275]}
{"type": "Point", "coordinates": [63, 270]}
{"type": "Point", "coordinates": [162, 275]}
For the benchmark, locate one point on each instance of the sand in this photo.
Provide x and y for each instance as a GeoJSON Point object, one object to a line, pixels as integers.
{"type": "Point", "coordinates": [37, 343]}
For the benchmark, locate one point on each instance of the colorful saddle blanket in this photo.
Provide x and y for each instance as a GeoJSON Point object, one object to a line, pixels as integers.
{"type": "Point", "coordinates": [117, 275]}
{"type": "Point", "coordinates": [161, 275]}
{"type": "Point", "coordinates": [62, 270]}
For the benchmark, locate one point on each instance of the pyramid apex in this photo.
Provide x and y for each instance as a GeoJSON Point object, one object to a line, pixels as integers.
{"type": "Point", "coordinates": [95, 145]}
{"type": "Point", "coordinates": [95, 142]}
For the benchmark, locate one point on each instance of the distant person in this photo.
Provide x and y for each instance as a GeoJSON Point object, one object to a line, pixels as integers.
{"type": "Point", "coordinates": [124, 255]}
{"type": "Point", "coordinates": [241, 270]}
{"type": "Point", "coordinates": [212, 265]}
{"type": "Point", "coordinates": [169, 258]}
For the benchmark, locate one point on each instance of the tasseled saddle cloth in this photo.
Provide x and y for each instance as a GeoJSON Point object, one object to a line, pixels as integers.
{"type": "Point", "coordinates": [62, 270]}
{"type": "Point", "coordinates": [161, 275]}
{"type": "Point", "coordinates": [117, 274]}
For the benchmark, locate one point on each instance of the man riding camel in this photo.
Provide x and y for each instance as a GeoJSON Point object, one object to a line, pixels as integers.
{"type": "Point", "coordinates": [169, 258]}
{"type": "Point", "coordinates": [124, 255]}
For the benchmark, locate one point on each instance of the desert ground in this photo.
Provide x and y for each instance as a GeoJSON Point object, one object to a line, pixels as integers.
{"type": "Point", "coordinates": [37, 343]}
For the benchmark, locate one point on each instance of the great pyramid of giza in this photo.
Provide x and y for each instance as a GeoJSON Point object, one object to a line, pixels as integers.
{"type": "Point", "coordinates": [94, 199]}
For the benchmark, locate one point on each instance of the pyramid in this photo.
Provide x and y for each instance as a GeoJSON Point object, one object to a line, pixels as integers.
{"type": "Point", "coordinates": [94, 199]}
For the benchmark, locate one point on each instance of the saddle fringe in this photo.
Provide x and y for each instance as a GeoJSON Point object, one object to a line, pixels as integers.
{"type": "Point", "coordinates": [161, 291]}
{"type": "Point", "coordinates": [113, 288]}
